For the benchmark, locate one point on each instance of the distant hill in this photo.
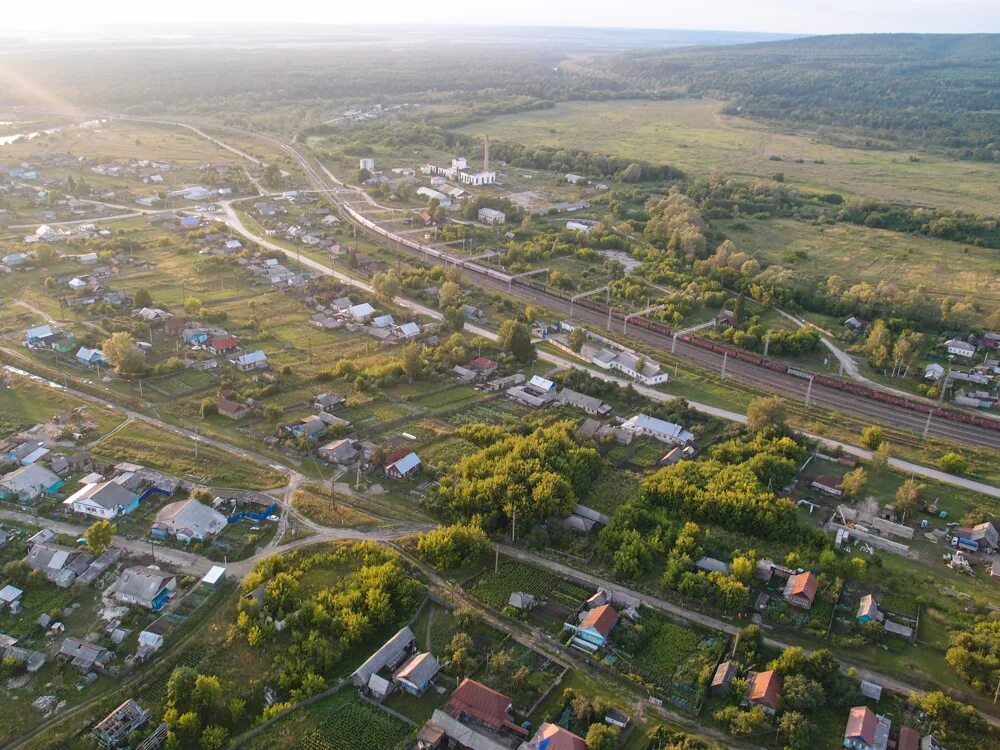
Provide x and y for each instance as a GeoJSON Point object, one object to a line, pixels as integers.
{"type": "Point", "coordinates": [937, 90]}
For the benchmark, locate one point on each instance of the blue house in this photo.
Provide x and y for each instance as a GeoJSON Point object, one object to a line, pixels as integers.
{"type": "Point", "coordinates": [595, 628]}
{"type": "Point", "coordinates": [195, 337]}
{"type": "Point", "coordinates": [90, 357]}
{"type": "Point", "coordinates": [39, 333]}
{"type": "Point", "coordinates": [868, 610]}
{"type": "Point", "coordinates": [29, 482]}
{"type": "Point", "coordinates": [311, 427]}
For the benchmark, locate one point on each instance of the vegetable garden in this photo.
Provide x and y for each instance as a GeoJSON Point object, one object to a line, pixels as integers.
{"type": "Point", "coordinates": [357, 724]}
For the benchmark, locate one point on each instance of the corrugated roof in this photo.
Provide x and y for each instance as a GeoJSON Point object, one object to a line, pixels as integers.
{"type": "Point", "coordinates": [482, 703]}
{"type": "Point", "coordinates": [602, 619]}
{"type": "Point", "coordinates": [766, 688]}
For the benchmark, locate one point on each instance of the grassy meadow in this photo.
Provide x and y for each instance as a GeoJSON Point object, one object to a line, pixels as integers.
{"type": "Point", "coordinates": [693, 135]}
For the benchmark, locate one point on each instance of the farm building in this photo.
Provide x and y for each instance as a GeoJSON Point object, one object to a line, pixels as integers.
{"type": "Point", "coordinates": [214, 578]}
{"type": "Point", "coordinates": [85, 656]}
{"type": "Point", "coordinates": [491, 216]}
{"type": "Point", "coordinates": [10, 597]}
{"type": "Point", "coordinates": [521, 600]}
{"type": "Point", "coordinates": [232, 409]}
{"type": "Point", "coordinates": [723, 676]}
{"type": "Point", "coordinates": [827, 484]}
{"type": "Point", "coordinates": [390, 655]}
{"type": "Point", "coordinates": [588, 404]}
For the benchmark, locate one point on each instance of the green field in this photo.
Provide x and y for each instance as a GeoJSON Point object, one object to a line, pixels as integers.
{"type": "Point", "coordinates": [873, 255]}
{"type": "Point", "coordinates": [693, 135]}
{"type": "Point", "coordinates": [168, 452]}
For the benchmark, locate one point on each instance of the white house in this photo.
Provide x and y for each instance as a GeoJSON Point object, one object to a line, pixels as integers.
{"type": "Point", "coordinates": [643, 370]}
{"type": "Point", "coordinates": [361, 312]}
{"type": "Point", "coordinates": [960, 348]}
{"type": "Point", "coordinates": [367, 164]}
{"type": "Point", "coordinates": [492, 216]}
{"type": "Point", "coordinates": [256, 360]}
{"type": "Point", "coordinates": [102, 500]}
{"type": "Point", "coordinates": [665, 432]}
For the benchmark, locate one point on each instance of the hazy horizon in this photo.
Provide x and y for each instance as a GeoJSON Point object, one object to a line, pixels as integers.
{"type": "Point", "coordinates": [796, 17]}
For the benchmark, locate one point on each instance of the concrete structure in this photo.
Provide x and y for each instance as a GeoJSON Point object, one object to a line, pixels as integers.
{"type": "Point", "coordinates": [128, 717]}
{"type": "Point", "coordinates": [491, 216]}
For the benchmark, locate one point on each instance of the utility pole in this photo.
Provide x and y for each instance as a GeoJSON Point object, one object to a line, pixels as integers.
{"type": "Point", "coordinates": [609, 318]}
{"type": "Point", "coordinates": [767, 343]}
{"type": "Point", "coordinates": [513, 525]}
{"type": "Point", "coordinates": [927, 427]}
{"type": "Point", "coordinates": [496, 562]}
{"type": "Point", "coordinates": [673, 343]}
{"type": "Point", "coordinates": [725, 358]}
{"type": "Point", "coordinates": [152, 549]}
{"type": "Point", "coordinates": [809, 391]}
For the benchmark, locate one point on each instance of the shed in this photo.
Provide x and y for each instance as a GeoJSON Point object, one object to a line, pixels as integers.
{"type": "Point", "coordinates": [215, 577]}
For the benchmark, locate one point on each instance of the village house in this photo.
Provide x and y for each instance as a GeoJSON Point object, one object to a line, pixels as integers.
{"type": "Point", "coordinates": [146, 586]}
{"type": "Point", "coordinates": [723, 677]}
{"type": "Point", "coordinates": [642, 425]}
{"type": "Point", "coordinates": [765, 690]}
{"type": "Point", "coordinates": [329, 401]}
{"type": "Point", "coordinates": [311, 427]}
{"type": "Point", "coordinates": [638, 368]}
{"type": "Point", "coordinates": [85, 656]}
{"type": "Point", "coordinates": [417, 672]}
{"type": "Point", "coordinates": [800, 590]}
{"type": "Point", "coordinates": [866, 730]}
{"type": "Point", "coordinates": [868, 610]}
{"type": "Point", "coordinates": [390, 655]}
{"type": "Point", "coordinates": [474, 704]}
{"type": "Point", "coordinates": [188, 520]}
{"type": "Point", "coordinates": [232, 409]}
{"type": "Point", "coordinates": [29, 482]}
{"type": "Point", "coordinates": [91, 357]}
{"type": "Point", "coordinates": [339, 451]}
{"type": "Point", "coordinates": [588, 404]}
{"type": "Point", "coordinates": [223, 345]}
{"type": "Point", "coordinates": [61, 565]}
{"type": "Point", "coordinates": [554, 737]}
{"type": "Point", "coordinates": [103, 499]}
{"type": "Point", "coordinates": [402, 464]}
{"type": "Point", "coordinates": [959, 348]}
{"type": "Point", "coordinates": [255, 360]}
{"type": "Point", "coordinates": [594, 628]}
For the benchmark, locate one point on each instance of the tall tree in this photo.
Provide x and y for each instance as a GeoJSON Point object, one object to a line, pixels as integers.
{"type": "Point", "coordinates": [515, 338]}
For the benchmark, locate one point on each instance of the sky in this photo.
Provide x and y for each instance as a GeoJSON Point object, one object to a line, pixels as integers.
{"type": "Point", "coordinates": [790, 16]}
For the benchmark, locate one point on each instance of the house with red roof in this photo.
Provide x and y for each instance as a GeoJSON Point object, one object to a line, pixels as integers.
{"type": "Point", "coordinates": [223, 344]}
{"type": "Point", "coordinates": [594, 628]}
{"type": "Point", "coordinates": [473, 703]}
{"type": "Point", "coordinates": [866, 730]}
{"type": "Point", "coordinates": [175, 326]}
{"type": "Point", "coordinates": [765, 690]}
{"type": "Point", "coordinates": [483, 365]}
{"type": "Point", "coordinates": [800, 591]}
{"type": "Point", "coordinates": [554, 737]}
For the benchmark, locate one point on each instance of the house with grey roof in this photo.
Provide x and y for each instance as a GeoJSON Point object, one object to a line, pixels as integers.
{"type": "Point", "coordinates": [29, 482]}
{"type": "Point", "coordinates": [85, 656]}
{"type": "Point", "coordinates": [188, 520]}
{"type": "Point", "coordinates": [389, 656]}
{"type": "Point", "coordinates": [146, 586]}
{"type": "Point", "coordinates": [103, 499]}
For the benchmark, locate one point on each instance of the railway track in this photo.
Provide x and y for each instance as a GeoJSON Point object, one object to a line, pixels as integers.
{"type": "Point", "coordinates": [868, 410]}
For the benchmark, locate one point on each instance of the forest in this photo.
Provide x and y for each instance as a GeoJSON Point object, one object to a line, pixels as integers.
{"type": "Point", "coordinates": [931, 90]}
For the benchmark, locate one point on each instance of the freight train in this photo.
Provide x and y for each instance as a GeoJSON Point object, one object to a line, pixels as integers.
{"type": "Point", "coordinates": [744, 356]}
